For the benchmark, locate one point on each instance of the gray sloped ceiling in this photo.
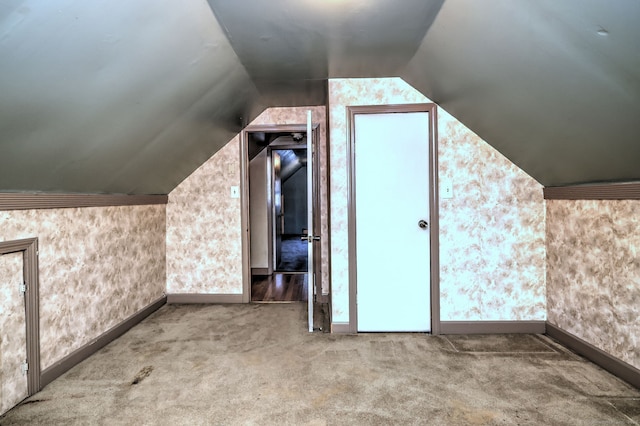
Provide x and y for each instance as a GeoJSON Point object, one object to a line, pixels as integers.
{"type": "Point", "coordinates": [131, 97]}
{"type": "Point", "coordinates": [114, 97]}
{"type": "Point", "coordinates": [552, 84]}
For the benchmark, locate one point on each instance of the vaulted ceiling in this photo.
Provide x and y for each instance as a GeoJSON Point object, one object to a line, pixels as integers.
{"type": "Point", "coordinates": [130, 97]}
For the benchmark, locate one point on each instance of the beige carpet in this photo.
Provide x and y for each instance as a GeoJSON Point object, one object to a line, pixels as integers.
{"type": "Point", "coordinates": [256, 364]}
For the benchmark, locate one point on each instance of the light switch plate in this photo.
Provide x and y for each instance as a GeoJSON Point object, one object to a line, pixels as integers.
{"type": "Point", "coordinates": [235, 192]}
{"type": "Point", "coordinates": [446, 189]}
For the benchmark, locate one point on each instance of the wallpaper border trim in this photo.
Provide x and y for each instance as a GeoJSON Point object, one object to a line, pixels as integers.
{"type": "Point", "coordinates": [206, 299]}
{"type": "Point", "coordinates": [24, 201]}
{"type": "Point", "coordinates": [76, 357]}
{"type": "Point", "coordinates": [611, 191]}
{"type": "Point", "coordinates": [492, 327]}
{"type": "Point", "coordinates": [615, 366]}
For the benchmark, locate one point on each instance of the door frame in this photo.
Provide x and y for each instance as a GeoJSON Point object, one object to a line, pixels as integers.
{"type": "Point", "coordinates": [29, 249]}
{"type": "Point", "coordinates": [434, 227]}
{"type": "Point", "coordinates": [244, 201]}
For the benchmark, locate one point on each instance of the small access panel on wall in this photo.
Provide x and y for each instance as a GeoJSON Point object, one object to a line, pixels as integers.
{"type": "Point", "coordinates": [19, 342]}
{"type": "Point", "coordinates": [13, 333]}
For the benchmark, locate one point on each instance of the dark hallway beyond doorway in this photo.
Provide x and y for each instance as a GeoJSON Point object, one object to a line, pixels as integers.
{"type": "Point", "coordinates": [294, 255]}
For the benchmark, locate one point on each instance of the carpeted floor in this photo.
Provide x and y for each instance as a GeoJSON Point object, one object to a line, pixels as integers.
{"type": "Point", "coordinates": [256, 364]}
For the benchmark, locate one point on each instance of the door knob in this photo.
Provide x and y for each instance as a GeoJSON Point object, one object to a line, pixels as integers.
{"type": "Point", "coordinates": [423, 224]}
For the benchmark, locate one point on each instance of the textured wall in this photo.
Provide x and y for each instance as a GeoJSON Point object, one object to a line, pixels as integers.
{"type": "Point", "coordinates": [204, 247]}
{"type": "Point", "coordinates": [13, 335]}
{"type": "Point", "coordinates": [97, 267]}
{"type": "Point", "coordinates": [593, 273]}
{"type": "Point", "coordinates": [492, 231]}
{"type": "Point", "coordinates": [203, 228]}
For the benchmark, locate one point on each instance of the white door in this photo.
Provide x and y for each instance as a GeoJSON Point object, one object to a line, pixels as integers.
{"type": "Point", "coordinates": [392, 213]}
{"type": "Point", "coordinates": [13, 332]}
{"type": "Point", "coordinates": [311, 283]}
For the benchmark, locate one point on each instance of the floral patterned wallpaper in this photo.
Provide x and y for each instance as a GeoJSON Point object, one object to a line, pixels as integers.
{"type": "Point", "coordinates": [204, 246]}
{"type": "Point", "coordinates": [492, 232]}
{"type": "Point", "coordinates": [97, 267]}
{"type": "Point", "coordinates": [492, 248]}
{"type": "Point", "coordinates": [593, 273]}
{"type": "Point", "coordinates": [203, 228]}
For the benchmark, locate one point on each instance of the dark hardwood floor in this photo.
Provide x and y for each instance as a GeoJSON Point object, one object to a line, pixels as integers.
{"type": "Point", "coordinates": [279, 288]}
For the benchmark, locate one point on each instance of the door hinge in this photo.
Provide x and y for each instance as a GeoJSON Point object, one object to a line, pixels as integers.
{"type": "Point", "coordinates": [24, 368]}
{"type": "Point", "coordinates": [23, 288]}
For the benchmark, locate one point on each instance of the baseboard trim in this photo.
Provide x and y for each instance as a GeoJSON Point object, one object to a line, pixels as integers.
{"type": "Point", "coordinates": [341, 328]}
{"type": "Point", "coordinates": [207, 299]}
{"type": "Point", "coordinates": [492, 327]}
{"type": "Point", "coordinates": [76, 357]}
{"type": "Point", "coordinates": [260, 271]}
{"type": "Point", "coordinates": [615, 366]}
{"type": "Point", "coordinates": [470, 327]}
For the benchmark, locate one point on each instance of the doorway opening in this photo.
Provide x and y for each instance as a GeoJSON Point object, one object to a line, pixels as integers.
{"type": "Point", "coordinates": [289, 189]}
{"type": "Point", "coordinates": [276, 264]}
